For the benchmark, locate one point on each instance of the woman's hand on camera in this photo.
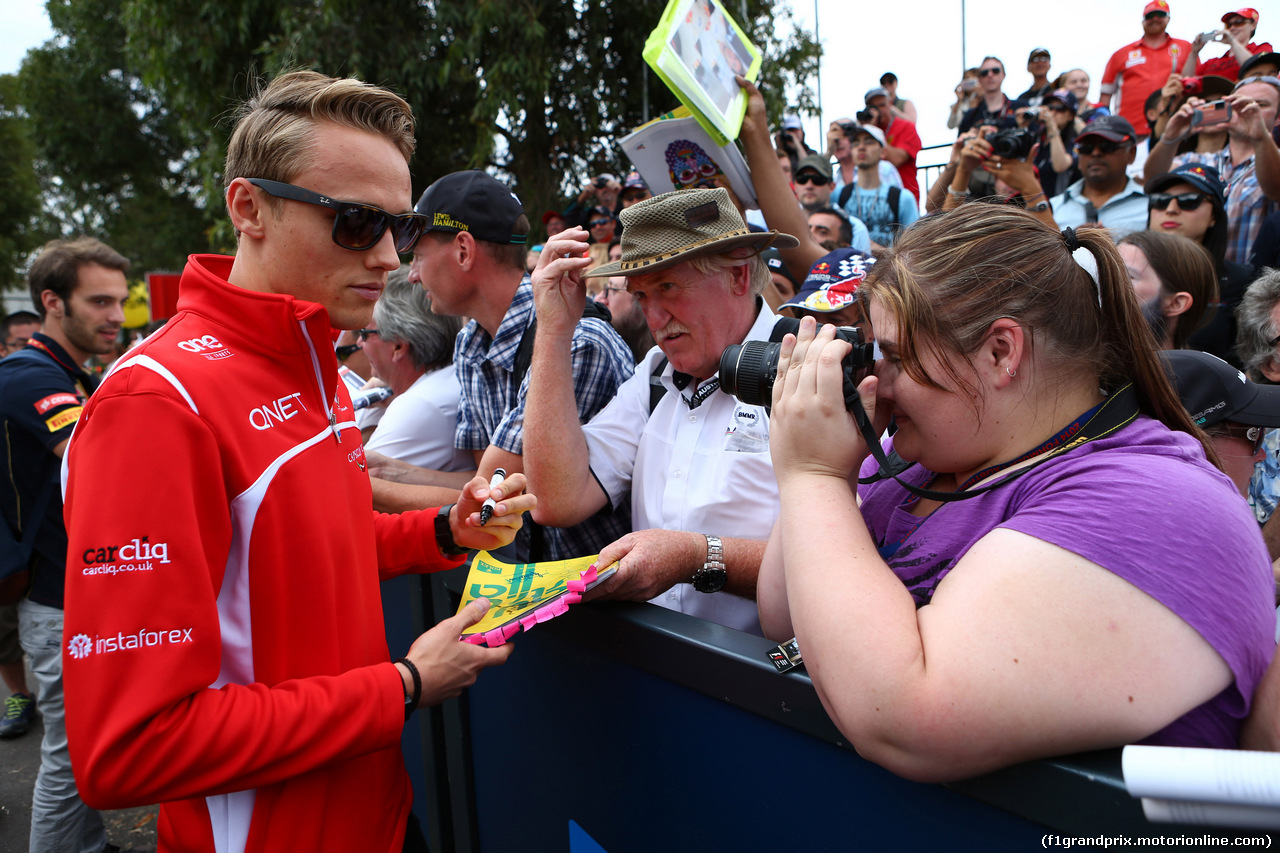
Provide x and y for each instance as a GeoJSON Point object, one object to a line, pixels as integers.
{"type": "Point", "coordinates": [811, 431]}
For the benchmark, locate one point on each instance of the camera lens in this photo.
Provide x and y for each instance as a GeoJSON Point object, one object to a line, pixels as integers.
{"type": "Point", "coordinates": [747, 371]}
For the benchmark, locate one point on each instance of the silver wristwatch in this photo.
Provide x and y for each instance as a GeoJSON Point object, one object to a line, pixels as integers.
{"type": "Point", "coordinates": [712, 576]}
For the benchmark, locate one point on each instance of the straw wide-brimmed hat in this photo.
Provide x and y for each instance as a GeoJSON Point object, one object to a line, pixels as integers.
{"type": "Point", "coordinates": [671, 228]}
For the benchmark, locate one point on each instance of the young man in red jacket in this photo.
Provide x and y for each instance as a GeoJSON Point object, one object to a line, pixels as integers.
{"type": "Point", "coordinates": [224, 645]}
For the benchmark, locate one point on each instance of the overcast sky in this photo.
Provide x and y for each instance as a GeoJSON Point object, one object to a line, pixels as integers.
{"type": "Point", "coordinates": [919, 41]}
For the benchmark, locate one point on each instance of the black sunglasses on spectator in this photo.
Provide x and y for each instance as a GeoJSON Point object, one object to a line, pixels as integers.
{"type": "Point", "coordinates": [987, 72]}
{"type": "Point", "coordinates": [1254, 435]}
{"type": "Point", "coordinates": [1099, 149]}
{"type": "Point", "coordinates": [1186, 201]}
{"type": "Point", "coordinates": [356, 226]}
{"type": "Point", "coordinates": [810, 178]}
{"type": "Point", "coordinates": [363, 334]}
{"type": "Point", "coordinates": [597, 222]}
{"type": "Point", "coordinates": [1058, 108]}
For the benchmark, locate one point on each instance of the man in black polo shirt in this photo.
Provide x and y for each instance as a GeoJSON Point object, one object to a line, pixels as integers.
{"type": "Point", "coordinates": [78, 288]}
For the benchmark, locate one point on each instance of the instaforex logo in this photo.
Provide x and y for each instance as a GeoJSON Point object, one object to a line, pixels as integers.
{"type": "Point", "coordinates": [136, 555]}
{"type": "Point", "coordinates": [81, 646]}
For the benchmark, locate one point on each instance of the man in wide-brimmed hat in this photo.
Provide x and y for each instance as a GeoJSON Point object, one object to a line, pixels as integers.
{"type": "Point", "coordinates": [695, 461]}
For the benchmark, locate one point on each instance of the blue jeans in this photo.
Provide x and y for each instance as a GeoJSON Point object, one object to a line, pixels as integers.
{"type": "Point", "coordinates": [60, 821]}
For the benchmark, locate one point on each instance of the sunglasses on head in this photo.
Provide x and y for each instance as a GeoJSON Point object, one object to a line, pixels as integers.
{"type": "Point", "coordinates": [1099, 149]}
{"type": "Point", "coordinates": [356, 226]}
{"type": "Point", "coordinates": [1186, 201]}
{"type": "Point", "coordinates": [987, 72]}
{"type": "Point", "coordinates": [810, 178]}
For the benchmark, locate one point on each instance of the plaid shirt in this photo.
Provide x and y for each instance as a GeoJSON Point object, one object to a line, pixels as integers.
{"type": "Point", "coordinates": [1247, 207]}
{"type": "Point", "coordinates": [491, 410]}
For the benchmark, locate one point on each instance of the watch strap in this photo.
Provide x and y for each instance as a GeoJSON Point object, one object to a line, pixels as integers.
{"type": "Point", "coordinates": [444, 534]}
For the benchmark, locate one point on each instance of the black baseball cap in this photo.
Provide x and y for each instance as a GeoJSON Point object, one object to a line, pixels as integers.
{"type": "Point", "coordinates": [1256, 60]}
{"type": "Point", "coordinates": [1111, 128]}
{"type": "Point", "coordinates": [1213, 391]}
{"type": "Point", "coordinates": [474, 202]}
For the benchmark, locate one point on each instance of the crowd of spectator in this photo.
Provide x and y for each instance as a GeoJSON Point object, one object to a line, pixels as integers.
{"type": "Point", "coordinates": [1033, 285]}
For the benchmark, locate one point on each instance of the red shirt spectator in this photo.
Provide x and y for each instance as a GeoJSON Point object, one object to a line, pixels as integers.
{"type": "Point", "coordinates": [1239, 27]}
{"type": "Point", "coordinates": [1143, 66]}
{"type": "Point", "coordinates": [902, 140]}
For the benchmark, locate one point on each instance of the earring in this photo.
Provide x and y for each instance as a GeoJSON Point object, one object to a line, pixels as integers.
{"type": "Point", "coordinates": [1012, 373]}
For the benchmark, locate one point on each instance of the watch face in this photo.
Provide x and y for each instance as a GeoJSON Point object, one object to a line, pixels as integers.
{"type": "Point", "coordinates": [710, 580]}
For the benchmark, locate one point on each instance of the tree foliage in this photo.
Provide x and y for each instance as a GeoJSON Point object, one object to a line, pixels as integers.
{"type": "Point", "coordinates": [109, 154]}
{"type": "Point", "coordinates": [20, 210]}
{"type": "Point", "coordinates": [536, 91]}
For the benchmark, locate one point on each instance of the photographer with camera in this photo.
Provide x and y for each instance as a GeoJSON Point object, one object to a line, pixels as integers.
{"type": "Point", "coordinates": [1106, 194]}
{"type": "Point", "coordinates": [987, 602]}
{"type": "Point", "coordinates": [1056, 157]}
{"type": "Point", "coordinates": [1249, 164]}
{"type": "Point", "coordinates": [600, 191]}
{"type": "Point", "coordinates": [902, 142]}
{"type": "Point", "coordinates": [1005, 155]}
{"type": "Point", "coordinates": [1237, 34]}
{"type": "Point", "coordinates": [967, 97]}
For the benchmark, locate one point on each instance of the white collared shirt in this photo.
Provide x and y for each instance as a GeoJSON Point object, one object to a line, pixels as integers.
{"type": "Point", "coordinates": [706, 469]}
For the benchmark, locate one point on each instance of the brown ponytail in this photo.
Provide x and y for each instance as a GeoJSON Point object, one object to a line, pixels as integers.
{"type": "Point", "coordinates": [950, 276]}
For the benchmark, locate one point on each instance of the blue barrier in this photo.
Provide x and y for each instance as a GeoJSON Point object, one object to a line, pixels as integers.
{"type": "Point", "coordinates": [628, 727]}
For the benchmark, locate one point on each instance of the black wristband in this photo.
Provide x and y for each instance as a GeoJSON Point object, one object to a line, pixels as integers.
{"type": "Point", "coordinates": [411, 704]}
{"type": "Point", "coordinates": [444, 534]}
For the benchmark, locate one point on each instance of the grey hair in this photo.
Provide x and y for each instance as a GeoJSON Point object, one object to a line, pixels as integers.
{"type": "Point", "coordinates": [404, 315]}
{"type": "Point", "coordinates": [757, 270]}
{"type": "Point", "coordinates": [1255, 331]}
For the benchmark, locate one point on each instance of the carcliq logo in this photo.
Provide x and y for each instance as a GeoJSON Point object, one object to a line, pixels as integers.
{"type": "Point", "coordinates": [136, 555]}
{"type": "Point", "coordinates": [81, 646]}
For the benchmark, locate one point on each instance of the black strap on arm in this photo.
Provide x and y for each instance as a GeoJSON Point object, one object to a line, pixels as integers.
{"type": "Point", "coordinates": [1119, 410]}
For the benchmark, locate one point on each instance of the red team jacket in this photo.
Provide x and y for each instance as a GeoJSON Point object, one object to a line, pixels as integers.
{"type": "Point", "coordinates": [224, 643]}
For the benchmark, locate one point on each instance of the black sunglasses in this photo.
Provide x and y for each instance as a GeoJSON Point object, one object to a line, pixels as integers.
{"type": "Point", "coordinates": [1099, 149]}
{"type": "Point", "coordinates": [1254, 435]}
{"type": "Point", "coordinates": [816, 180]}
{"type": "Point", "coordinates": [987, 72]}
{"type": "Point", "coordinates": [356, 226]}
{"type": "Point", "coordinates": [363, 334]}
{"type": "Point", "coordinates": [1186, 201]}
{"type": "Point", "coordinates": [595, 223]}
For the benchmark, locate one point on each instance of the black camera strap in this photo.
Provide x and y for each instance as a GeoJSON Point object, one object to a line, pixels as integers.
{"type": "Point", "coordinates": [1116, 412]}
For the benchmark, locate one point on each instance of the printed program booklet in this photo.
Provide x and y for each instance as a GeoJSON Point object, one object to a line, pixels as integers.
{"type": "Point", "coordinates": [674, 152]}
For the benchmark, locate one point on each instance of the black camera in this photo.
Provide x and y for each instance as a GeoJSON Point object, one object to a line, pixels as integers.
{"type": "Point", "coordinates": [849, 128]}
{"type": "Point", "coordinates": [601, 182]}
{"type": "Point", "coordinates": [867, 116]}
{"type": "Point", "coordinates": [1012, 143]}
{"type": "Point", "coordinates": [747, 370]}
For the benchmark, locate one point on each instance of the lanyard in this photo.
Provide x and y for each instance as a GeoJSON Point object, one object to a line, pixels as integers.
{"type": "Point", "coordinates": [700, 396]}
{"type": "Point", "coordinates": [1119, 410]}
{"type": "Point", "coordinates": [85, 383]}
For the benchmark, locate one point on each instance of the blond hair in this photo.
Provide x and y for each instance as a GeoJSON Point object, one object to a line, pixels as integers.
{"type": "Point", "coordinates": [273, 136]}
